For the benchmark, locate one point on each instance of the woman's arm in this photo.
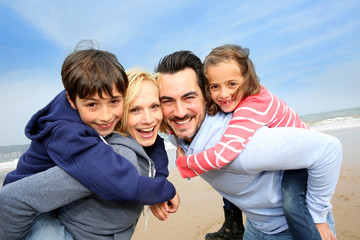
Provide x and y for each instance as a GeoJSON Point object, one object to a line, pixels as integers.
{"type": "Point", "coordinates": [20, 201]}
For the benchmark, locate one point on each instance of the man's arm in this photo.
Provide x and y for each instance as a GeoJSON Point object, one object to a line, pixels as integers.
{"type": "Point", "coordinates": [292, 148]}
{"type": "Point", "coordinates": [20, 201]}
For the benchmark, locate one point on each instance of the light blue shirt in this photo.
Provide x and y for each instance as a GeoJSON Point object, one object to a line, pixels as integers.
{"type": "Point", "coordinates": [253, 180]}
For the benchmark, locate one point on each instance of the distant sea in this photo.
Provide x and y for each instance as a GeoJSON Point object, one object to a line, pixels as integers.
{"type": "Point", "coordinates": [340, 119]}
{"type": "Point", "coordinates": [325, 121]}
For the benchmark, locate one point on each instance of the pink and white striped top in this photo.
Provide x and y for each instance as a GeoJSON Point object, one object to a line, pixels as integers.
{"type": "Point", "coordinates": [263, 109]}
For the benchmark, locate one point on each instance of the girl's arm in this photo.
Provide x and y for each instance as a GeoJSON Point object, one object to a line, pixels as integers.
{"type": "Point", "coordinates": [263, 109]}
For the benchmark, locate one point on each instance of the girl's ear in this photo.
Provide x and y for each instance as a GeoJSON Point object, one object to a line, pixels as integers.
{"type": "Point", "coordinates": [72, 104]}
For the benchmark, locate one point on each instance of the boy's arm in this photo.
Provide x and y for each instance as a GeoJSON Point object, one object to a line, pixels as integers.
{"type": "Point", "coordinates": [81, 153]}
{"type": "Point", "coordinates": [157, 153]}
{"type": "Point", "coordinates": [20, 201]}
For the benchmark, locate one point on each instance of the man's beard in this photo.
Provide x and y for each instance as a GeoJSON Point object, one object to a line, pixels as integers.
{"type": "Point", "coordinates": [178, 133]}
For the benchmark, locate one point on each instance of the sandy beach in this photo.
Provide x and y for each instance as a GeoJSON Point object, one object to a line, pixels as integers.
{"type": "Point", "coordinates": [201, 212]}
{"type": "Point", "coordinates": [201, 207]}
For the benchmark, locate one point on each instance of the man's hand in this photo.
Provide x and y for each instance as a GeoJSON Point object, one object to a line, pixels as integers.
{"type": "Point", "coordinates": [325, 231]}
{"type": "Point", "coordinates": [162, 210]}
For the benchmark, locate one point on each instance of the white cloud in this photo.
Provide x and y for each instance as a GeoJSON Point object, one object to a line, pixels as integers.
{"type": "Point", "coordinates": [112, 22]}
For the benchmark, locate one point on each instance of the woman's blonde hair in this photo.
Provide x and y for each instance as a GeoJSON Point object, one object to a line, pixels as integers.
{"type": "Point", "coordinates": [224, 54]}
{"type": "Point", "coordinates": [136, 80]}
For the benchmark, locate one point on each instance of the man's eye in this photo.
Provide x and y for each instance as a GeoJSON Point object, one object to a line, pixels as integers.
{"type": "Point", "coordinates": [165, 101]}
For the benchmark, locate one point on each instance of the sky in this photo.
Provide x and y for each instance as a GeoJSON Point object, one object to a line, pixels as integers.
{"type": "Point", "coordinates": [305, 52]}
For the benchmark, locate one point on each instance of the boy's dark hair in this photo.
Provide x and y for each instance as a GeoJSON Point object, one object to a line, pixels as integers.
{"type": "Point", "coordinates": [86, 72]}
{"type": "Point", "coordinates": [180, 60]}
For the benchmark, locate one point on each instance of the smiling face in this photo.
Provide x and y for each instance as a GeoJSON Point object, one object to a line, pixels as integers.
{"type": "Point", "coordinates": [144, 115]}
{"type": "Point", "coordinates": [182, 103]}
{"type": "Point", "coordinates": [100, 113]}
{"type": "Point", "coordinates": [225, 82]}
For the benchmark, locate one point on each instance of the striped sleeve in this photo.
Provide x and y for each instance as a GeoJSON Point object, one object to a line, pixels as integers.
{"type": "Point", "coordinates": [263, 109]}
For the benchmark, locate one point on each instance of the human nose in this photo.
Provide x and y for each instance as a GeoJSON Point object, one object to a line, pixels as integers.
{"type": "Point", "coordinates": [105, 114]}
{"type": "Point", "coordinates": [147, 117]}
{"type": "Point", "coordinates": [180, 110]}
{"type": "Point", "coordinates": [224, 93]}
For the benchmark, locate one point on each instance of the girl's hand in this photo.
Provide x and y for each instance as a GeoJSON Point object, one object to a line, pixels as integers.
{"type": "Point", "coordinates": [179, 152]}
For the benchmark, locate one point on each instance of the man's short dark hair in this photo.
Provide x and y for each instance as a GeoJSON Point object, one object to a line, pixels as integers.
{"type": "Point", "coordinates": [181, 60]}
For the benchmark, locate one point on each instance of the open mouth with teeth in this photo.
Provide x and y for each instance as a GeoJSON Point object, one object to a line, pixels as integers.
{"type": "Point", "coordinates": [226, 102]}
{"type": "Point", "coordinates": [183, 122]}
{"type": "Point", "coordinates": [146, 132]}
{"type": "Point", "coordinates": [105, 126]}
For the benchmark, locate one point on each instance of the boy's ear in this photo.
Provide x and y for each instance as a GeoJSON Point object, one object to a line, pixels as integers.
{"type": "Point", "coordinates": [72, 104]}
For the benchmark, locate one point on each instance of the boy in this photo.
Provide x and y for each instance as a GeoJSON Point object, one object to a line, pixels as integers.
{"type": "Point", "coordinates": [68, 132]}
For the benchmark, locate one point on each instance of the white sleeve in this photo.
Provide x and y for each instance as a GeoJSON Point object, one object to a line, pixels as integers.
{"type": "Point", "coordinates": [294, 148]}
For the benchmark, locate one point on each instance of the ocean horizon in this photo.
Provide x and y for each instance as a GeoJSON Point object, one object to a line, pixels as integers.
{"type": "Point", "coordinates": [324, 121]}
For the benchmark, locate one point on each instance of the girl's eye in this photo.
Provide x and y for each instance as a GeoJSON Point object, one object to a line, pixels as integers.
{"type": "Point", "coordinates": [213, 87]}
{"type": "Point", "coordinates": [233, 84]}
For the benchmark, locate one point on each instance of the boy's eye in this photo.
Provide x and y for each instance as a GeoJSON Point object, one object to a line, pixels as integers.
{"type": "Point", "coordinates": [91, 105]}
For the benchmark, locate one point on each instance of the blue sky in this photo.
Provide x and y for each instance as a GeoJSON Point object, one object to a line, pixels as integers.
{"type": "Point", "coordinates": [306, 52]}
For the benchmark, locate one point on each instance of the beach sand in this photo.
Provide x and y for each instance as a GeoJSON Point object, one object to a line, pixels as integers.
{"type": "Point", "coordinates": [201, 211]}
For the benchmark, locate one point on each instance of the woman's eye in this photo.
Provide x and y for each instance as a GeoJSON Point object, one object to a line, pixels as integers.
{"type": "Point", "coordinates": [134, 110]}
{"type": "Point", "coordinates": [155, 106]}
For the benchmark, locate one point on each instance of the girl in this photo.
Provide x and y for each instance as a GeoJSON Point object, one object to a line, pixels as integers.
{"type": "Point", "coordinates": [233, 86]}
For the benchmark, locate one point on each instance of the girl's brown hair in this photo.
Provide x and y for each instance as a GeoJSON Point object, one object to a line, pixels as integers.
{"type": "Point", "coordinates": [224, 54]}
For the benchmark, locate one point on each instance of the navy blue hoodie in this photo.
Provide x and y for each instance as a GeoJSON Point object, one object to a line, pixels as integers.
{"type": "Point", "coordinates": [59, 137]}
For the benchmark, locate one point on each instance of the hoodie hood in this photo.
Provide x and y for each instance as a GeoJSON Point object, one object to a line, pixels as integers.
{"type": "Point", "coordinates": [142, 162]}
{"type": "Point", "coordinates": [56, 113]}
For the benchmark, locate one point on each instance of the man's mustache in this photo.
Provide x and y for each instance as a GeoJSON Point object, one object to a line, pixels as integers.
{"type": "Point", "coordinates": [177, 119]}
